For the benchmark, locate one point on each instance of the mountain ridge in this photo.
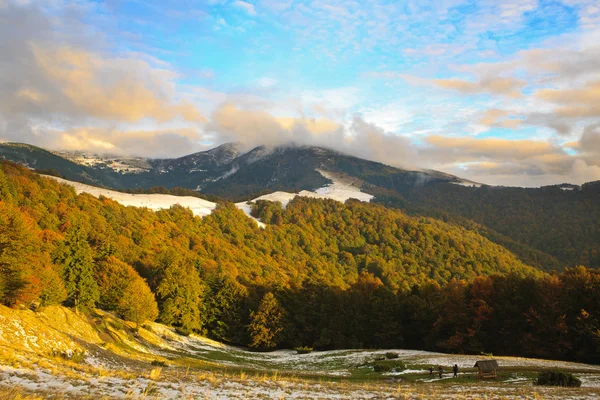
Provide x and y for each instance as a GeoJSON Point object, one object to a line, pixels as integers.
{"type": "Point", "coordinates": [225, 170]}
{"type": "Point", "coordinates": [549, 227]}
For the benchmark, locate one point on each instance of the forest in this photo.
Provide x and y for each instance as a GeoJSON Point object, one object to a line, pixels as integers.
{"type": "Point", "coordinates": [549, 227]}
{"type": "Point", "coordinates": [322, 274]}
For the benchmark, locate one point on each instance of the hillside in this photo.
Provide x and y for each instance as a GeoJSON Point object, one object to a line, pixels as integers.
{"type": "Point", "coordinates": [222, 171]}
{"type": "Point", "coordinates": [551, 220]}
{"type": "Point", "coordinates": [550, 227]}
{"type": "Point", "coordinates": [56, 352]}
{"type": "Point", "coordinates": [378, 277]}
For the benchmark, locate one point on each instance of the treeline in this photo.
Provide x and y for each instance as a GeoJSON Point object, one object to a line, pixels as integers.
{"type": "Point", "coordinates": [555, 317]}
{"type": "Point", "coordinates": [354, 267]}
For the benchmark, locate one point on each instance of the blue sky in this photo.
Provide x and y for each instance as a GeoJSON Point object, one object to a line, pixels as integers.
{"type": "Point", "coordinates": [502, 92]}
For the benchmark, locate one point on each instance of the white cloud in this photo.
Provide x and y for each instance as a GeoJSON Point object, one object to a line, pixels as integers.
{"type": "Point", "coordinates": [247, 7]}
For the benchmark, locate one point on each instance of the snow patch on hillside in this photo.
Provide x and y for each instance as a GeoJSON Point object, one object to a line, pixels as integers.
{"type": "Point", "coordinates": [466, 183]}
{"type": "Point", "coordinates": [154, 202]}
{"type": "Point", "coordinates": [338, 190]}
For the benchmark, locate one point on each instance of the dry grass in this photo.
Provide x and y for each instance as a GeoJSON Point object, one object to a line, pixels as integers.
{"type": "Point", "coordinates": [107, 338]}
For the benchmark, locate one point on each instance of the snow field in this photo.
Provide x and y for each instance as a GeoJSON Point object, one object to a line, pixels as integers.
{"type": "Point", "coordinates": [338, 191]}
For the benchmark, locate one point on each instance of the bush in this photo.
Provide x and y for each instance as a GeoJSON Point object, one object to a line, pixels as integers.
{"type": "Point", "coordinates": [182, 331]}
{"type": "Point", "coordinates": [391, 355]}
{"type": "Point", "coordinates": [71, 355]}
{"type": "Point", "coordinates": [388, 366]}
{"type": "Point", "coordinates": [557, 378]}
{"type": "Point", "coordinates": [382, 368]}
{"type": "Point", "coordinates": [157, 363]}
{"type": "Point", "coordinates": [303, 350]}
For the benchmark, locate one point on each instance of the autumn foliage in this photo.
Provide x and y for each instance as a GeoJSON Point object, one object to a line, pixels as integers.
{"type": "Point", "coordinates": [322, 274]}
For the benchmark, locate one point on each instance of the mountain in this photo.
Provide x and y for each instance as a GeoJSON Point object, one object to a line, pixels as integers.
{"type": "Point", "coordinates": [549, 227]}
{"type": "Point", "coordinates": [223, 171]}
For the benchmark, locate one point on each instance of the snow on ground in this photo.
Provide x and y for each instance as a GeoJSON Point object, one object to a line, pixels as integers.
{"type": "Point", "coordinates": [247, 208]}
{"type": "Point", "coordinates": [342, 362]}
{"type": "Point", "coordinates": [338, 190]}
{"type": "Point", "coordinates": [214, 386]}
{"type": "Point", "coordinates": [466, 183]}
{"type": "Point", "coordinates": [154, 202]}
{"type": "Point", "coordinates": [103, 376]}
{"type": "Point", "coordinates": [342, 191]}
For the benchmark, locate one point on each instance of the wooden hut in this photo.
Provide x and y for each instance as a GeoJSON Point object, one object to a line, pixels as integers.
{"type": "Point", "coordinates": [486, 368]}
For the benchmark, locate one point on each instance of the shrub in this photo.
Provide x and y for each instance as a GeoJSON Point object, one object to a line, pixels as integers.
{"type": "Point", "coordinates": [182, 331]}
{"type": "Point", "coordinates": [157, 363]}
{"type": "Point", "coordinates": [382, 368]}
{"type": "Point", "coordinates": [388, 366]}
{"type": "Point", "coordinates": [118, 325]}
{"type": "Point", "coordinates": [391, 355]}
{"type": "Point", "coordinates": [71, 355]}
{"type": "Point", "coordinates": [303, 350]}
{"type": "Point", "coordinates": [557, 378]}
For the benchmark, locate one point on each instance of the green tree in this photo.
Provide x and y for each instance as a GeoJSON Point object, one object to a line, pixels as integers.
{"type": "Point", "coordinates": [6, 189]}
{"type": "Point", "coordinates": [266, 323]}
{"type": "Point", "coordinates": [20, 251]}
{"type": "Point", "coordinates": [226, 315]}
{"type": "Point", "coordinates": [181, 293]}
{"type": "Point", "coordinates": [77, 261]}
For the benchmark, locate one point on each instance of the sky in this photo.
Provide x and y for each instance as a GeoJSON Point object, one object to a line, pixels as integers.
{"type": "Point", "coordinates": [498, 92]}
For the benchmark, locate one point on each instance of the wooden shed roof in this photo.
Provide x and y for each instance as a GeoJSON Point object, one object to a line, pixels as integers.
{"type": "Point", "coordinates": [487, 365]}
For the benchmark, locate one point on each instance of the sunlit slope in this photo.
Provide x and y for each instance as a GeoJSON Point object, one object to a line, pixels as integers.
{"type": "Point", "coordinates": [325, 240]}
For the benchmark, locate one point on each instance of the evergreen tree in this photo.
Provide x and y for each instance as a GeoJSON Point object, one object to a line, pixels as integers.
{"type": "Point", "coordinates": [226, 315]}
{"type": "Point", "coordinates": [77, 263]}
{"type": "Point", "coordinates": [19, 257]}
{"type": "Point", "coordinates": [266, 323]}
{"type": "Point", "coordinates": [181, 293]}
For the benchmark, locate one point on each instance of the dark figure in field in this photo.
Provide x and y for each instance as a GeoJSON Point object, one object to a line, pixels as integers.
{"type": "Point", "coordinates": [455, 369]}
{"type": "Point", "coordinates": [430, 371]}
{"type": "Point", "coordinates": [441, 371]}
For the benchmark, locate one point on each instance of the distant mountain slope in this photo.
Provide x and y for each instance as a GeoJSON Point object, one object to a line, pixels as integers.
{"type": "Point", "coordinates": [549, 227]}
{"type": "Point", "coordinates": [318, 239]}
{"type": "Point", "coordinates": [223, 171]}
{"type": "Point", "coordinates": [564, 223]}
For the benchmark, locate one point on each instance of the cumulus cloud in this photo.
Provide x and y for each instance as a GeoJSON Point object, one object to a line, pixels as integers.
{"type": "Point", "coordinates": [470, 148]}
{"type": "Point", "coordinates": [574, 102]}
{"type": "Point", "coordinates": [56, 74]}
{"type": "Point", "coordinates": [166, 143]}
{"type": "Point", "coordinates": [107, 88]}
{"type": "Point", "coordinates": [590, 139]}
{"type": "Point", "coordinates": [247, 7]}
{"type": "Point", "coordinates": [64, 85]}
{"type": "Point", "coordinates": [360, 138]}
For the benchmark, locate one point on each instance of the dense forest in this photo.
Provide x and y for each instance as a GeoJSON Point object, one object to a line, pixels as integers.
{"type": "Point", "coordinates": [321, 274]}
{"type": "Point", "coordinates": [548, 227]}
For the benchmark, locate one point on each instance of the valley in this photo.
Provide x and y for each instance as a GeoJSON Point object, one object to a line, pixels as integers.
{"type": "Point", "coordinates": [236, 286]}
